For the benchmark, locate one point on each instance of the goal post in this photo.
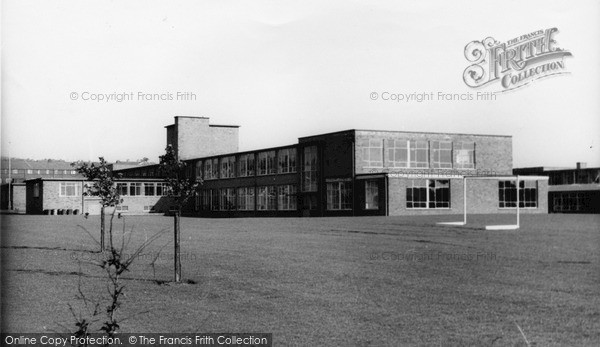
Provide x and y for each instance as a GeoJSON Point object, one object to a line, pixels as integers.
{"type": "Point", "coordinates": [517, 178]}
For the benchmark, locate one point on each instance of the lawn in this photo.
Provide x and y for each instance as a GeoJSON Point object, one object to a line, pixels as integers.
{"type": "Point", "coordinates": [323, 281]}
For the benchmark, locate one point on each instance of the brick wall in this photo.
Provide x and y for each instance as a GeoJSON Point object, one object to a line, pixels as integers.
{"type": "Point", "coordinates": [493, 154]}
{"type": "Point", "coordinates": [482, 198]}
{"type": "Point", "coordinates": [51, 198]}
{"type": "Point", "coordinates": [194, 137]}
{"type": "Point", "coordinates": [19, 198]}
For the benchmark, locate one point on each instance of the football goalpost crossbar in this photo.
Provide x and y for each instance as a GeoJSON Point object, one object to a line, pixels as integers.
{"type": "Point", "coordinates": [491, 227]}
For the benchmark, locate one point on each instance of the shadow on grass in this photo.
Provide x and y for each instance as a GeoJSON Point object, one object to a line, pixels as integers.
{"type": "Point", "coordinates": [50, 248]}
{"type": "Point", "coordinates": [79, 273]}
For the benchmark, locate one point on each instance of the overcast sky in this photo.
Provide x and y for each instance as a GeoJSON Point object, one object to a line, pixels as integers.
{"type": "Point", "coordinates": [283, 70]}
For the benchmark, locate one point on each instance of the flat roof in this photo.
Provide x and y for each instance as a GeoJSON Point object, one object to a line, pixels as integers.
{"type": "Point", "coordinates": [123, 179]}
{"type": "Point", "coordinates": [402, 132]}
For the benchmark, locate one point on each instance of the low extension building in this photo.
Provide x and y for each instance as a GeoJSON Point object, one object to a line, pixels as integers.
{"type": "Point", "coordinates": [571, 190]}
{"type": "Point", "coordinates": [55, 196]}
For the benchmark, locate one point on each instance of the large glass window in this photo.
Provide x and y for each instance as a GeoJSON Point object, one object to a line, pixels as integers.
{"type": "Point", "coordinates": [199, 170]}
{"type": "Point", "coordinates": [339, 195]}
{"type": "Point", "coordinates": [397, 153]}
{"type": "Point", "coordinates": [69, 189]}
{"type": "Point", "coordinates": [135, 189]}
{"type": "Point", "coordinates": [439, 193]}
{"type": "Point", "coordinates": [210, 199]}
{"type": "Point", "coordinates": [228, 167]}
{"type": "Point", "coordinates": [371, 195]}
{"type": "Point", "coordinates": [287, 160]}
{"type": "Point", "coordinates": [571, 202]}
{"type": "Point", "coordinates": [267, 198]}
{"type": "Point", "coordinates": [372, 152]}
{"type": "Point", "coordinates": [246, 165]}
{"type": "Point", "coordinates": [245, 197]}
{"type": "Point", "coordinates": [428, 193]}
{"type": "Point", "coordinates": [310, 169]}
{"type": "Point", "coordinates": [465, 155]}
{"type": "Point", "coordinates": [419, 154]}
{"type": "Point", "coordinates": [149, 189]}
{"type": "Point", "coordinates": [208, 170]}
{"type": "Point", "coordinates": [161, 189]}
{"type": "Point", "coordinates": [507, 194]}
{"type": "Point", "coordinates": [442, 154]}
{"type": "Point", "coordinates": [287, 197]}
{"type": "Point", "coordinates": [227, 199]}
{"type": "Point", "coordinates": [266, 163]}
{"type": "Point", "coordinates": [122, 189]}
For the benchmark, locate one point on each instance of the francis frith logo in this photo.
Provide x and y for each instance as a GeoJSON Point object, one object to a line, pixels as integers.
{"type": "Point", "coordinates": [516, 62]}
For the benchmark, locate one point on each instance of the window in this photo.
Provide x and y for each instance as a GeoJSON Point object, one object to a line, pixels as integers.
{"type": "Point", "coordinates": [29, 172]}
{"type": "Point", "coordinates": [246, 165]}
{"type": "Point", "coordinates": [418, 154]}
{"type": "Point", "coordinates": [339, 195]}
{"type": "Point", "coordinates": [528, 194]}
{"type": "Point", "coordinates": [122, 189]}
{"type": "Point", "coordinates": [228, 167]}
{"type": "Point", "coordinates": [245, 196]}
{"type": "Point", "coordinates": [122, 208]}
{"type": "Point", "coordinates": [371, 195]}
{"type": "Point", "coordinates": [205, 199]}
{"type": "Point", "coordinates": [397, 153]}
{"type": "Point", "coordinates": [73, 172]}
{"type": "Point", "coordinates": [47, 172]}
{"type": "Point", "coordinates": [439, 193]}
{"type": "Point", "coordinates": [465, 155]}
{"type": "Point", "coordinates": [215, 168]}
{"type": "Point", "coordinates": [65, 172]}
{"type": "Point", "coordinates": [208, 171]}
{"type": "Point", "coordinates": [287, 197]}
{"type": "Point", "coordinates": [69, 189]}
{"type": "Point", "coordinates": [266, 163]}
{"type": "Point", "coordinates": [310, 169]}
{"type": "Point", "coordinates": [161, 189]}
{"type": "Point", "coordinates": [148, 208]}
{"type": "Point", "coordinates": [135, 189]}
{"type": "Point", "coordinates": [36, 190]}
{"type": "Point", "coordinates": [428, 194]}
{"type": "Point", "coordinates": [416, 194]}
{"type": "Point", "coordinates": [507, 194]}
{"type": "Point", "coordinates": [372, 152]}
{"type": "Point", "coordinates": [442, 154]}
{"type": "Point", "coordinates": [210, 199]}
{"type": "Point", "coordinates": [16, 171]}
{"type": "Point", "coordinates": [267, 198]}
{"type": "Point", "coordinates": [571, 202]}
{"type": "Point", "coordinates": [227, 199]}
{"type": "Point", "coordinates": [198, 170]}
{"type": "Point", "coordinates": [149, 189]}
{"type": "Point", "coordinates": [287, 160]}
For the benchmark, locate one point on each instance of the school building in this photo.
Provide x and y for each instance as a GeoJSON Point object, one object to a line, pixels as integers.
{"type": "Point", "coordinates": [571, 190]}
{"type": "Point", "coordinates": [347, 173]}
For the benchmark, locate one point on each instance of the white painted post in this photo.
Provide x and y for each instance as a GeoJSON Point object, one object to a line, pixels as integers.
{"type": "Point", "coordinates": [518, 203]}
{"type": "Point", "coordinates": [465, 199]}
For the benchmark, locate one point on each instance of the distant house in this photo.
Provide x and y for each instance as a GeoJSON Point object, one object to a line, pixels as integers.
{"type": "Point", "coordinates": [571, 190]}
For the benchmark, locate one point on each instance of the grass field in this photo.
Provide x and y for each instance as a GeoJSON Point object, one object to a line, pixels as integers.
{"type": "Point", "coordinates": [324, 281]}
